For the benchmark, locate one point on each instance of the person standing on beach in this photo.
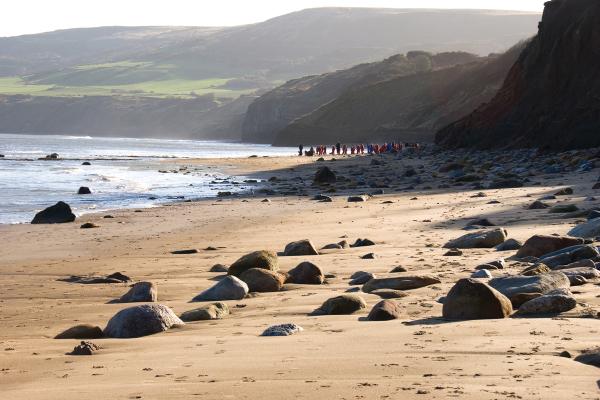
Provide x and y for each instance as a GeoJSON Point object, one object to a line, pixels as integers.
{"type": "Point", "coordinates": [300, 150]}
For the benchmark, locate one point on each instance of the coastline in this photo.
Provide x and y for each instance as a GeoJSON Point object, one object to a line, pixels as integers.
{"type": "Point", "coordinates": [335, 356]}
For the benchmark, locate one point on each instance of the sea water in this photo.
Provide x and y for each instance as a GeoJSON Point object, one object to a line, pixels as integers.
{"type": "Point", "coordinates": [124, 172]}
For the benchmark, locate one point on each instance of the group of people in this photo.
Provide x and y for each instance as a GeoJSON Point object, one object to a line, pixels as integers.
{"type": "Point", "coordinates": [342, 149]}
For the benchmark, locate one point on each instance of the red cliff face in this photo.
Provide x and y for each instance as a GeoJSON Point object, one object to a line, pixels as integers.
{"type": "Point", "coordinates": [551, 96]}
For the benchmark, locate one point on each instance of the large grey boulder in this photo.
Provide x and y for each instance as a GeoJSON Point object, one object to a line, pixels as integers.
{"type": "Point", "coordinates": [538, 245]}
{"type": "Point", "coordinates": [59, 213]}
{"type": "Point", "coordinates": [208, 312]}
{"type": "Point", "coordinates": [264, 259]}
{"type": "Point", "coordinates": [141, 292]}
{"type": "Point", "coordinates": [143, 320]}
{"type": "Point", "coordinates": [229, 288]}
{"type": "Point", "coordinates": [399, 283]}
{"type": "Point", "coordinates": [473, 299]}
{"type": "Point", "coordinates": [553, 302]}
{"type": "Point", "coordinates": [586, 272]}
{"type": "Point", "coordinates": [300, 248]}
{"type": "Point", "coordinates": [589, 229]}
{"type": "Point", "coordinates": [521, 288]}
{"type": "Point", "coordinates": [569, 255]}
{"type": "Point", "coordinates": [481, 239]}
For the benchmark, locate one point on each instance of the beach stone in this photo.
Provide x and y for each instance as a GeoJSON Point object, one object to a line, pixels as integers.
{"type": "Point", "coordinates": [453, 253]}
{"type": "Point", "coordinates": [229, 288]}
{"type": "Point", "coordinates": [332, 246]}
{"type": "Point", "coordinates": [363, 243]}
{"type": "Point", "coordinates": [361, 277]}
{"type": "Point", "coordinates": [389, 293]}
{"type": "Point", "coordinates": [116, 277]}
{"type": "Point", "coordinates": [569, 255]}
{"type": "Point", "coordinates": [86, 163]}
{"type": "Point", "coordinates": [282, 330]}
{"type": "Point", "coordinates": [143, 320]}
{"type": "Point", "coordinates": [300, 248]}
{"type": "Point", "coordinates": [369, 256]}
{"type": "Point", "coordinates": [89, 225]}
{"type": "Point", "coordinates": [85, 349]}
{"type": "Point", "coordinates": [563, 208]}
{"type": "Point", "coordinates": [481, 222]}
{"type": "Point", "coordinates": [141, 292]}
{"type": "Point", "coordinates": [538, 205]}
{"type": "Point", "coordinates": [506, 183]}
{"type": "Point", "coordinates": [82, 331]}
{"type": "Point", "coordinates": [264, 259]}
{"type": "Point", "coordinates": [344, 304]}
{"type": "Point", "coordinates": [510, 244]}
{"type": "Point", "coordinates": [324, 175]}
{"type": "Point", "coordinates": [589, 357]}
{"type": "Point", "coordinates": [344, 244]}
{"type": "Point", "coordinates": [587, 273]}
{"type": "Point", "coordinates": [577, 280]}
{"type": "Point", "coordinates": [564, 192]}
{"type": "Point", "coordinates": [306, 273]}
{"type": "Point", "coordinates": [385, 310]}
{"type": "Point", "coordinates": [400, 283]}
{"type": "Point", "coordinates": [185, 251]}
{"type": "Point", "coordinates": [357, 199]}
{"type": "Point", "coordinates": [514, 287]}
{"type": "Point", "coordinates": [538, 245]}
{"type": "Point", "coordinates": [57, 214]}
{"type": "Point", "coordinates": [205, 313]}
{"type": "Point", "coordinates": [589, 229]}
{"type": "Point", "coordinates": [84, 190]}
{"type": "Point", "coordinates": [585, 263]}
{"type": "Point", "coordinates": [480, 239]}
{"type": "Point", "coordinates": [551, 303]}
{"type": "Point", "coordinates": [398, 269]}
{"type": "Point", "coordinates": [262, 280]}
{"type": "Point", "coordinates": [323, 198]}
{"type": "Point", "coordinates": [536, 269]}
{"type": "Point", "coordinates": [218, 268]}
{"type": "Point", "coordinates": [472, 299]}
{"type": "Point", "coordinates": [482, 273]}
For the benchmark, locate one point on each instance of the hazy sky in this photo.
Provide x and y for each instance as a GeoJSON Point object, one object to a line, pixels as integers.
{"type": "Point", "coordinates": [32, 16]}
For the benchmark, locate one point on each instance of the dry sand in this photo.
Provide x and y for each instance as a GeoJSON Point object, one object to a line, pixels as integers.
{"type": "Point", "coordinates": [335, 357]}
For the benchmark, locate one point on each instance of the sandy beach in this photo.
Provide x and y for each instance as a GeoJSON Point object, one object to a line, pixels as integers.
{"type": "Point", "coordinates": [417, 356]}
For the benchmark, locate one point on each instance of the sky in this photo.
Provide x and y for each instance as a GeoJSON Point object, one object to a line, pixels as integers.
{"type": "Point", "coordinates": [20, 17]}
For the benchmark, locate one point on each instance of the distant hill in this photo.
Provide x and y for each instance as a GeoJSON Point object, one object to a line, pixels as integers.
{"type": "Point", "coordinates": [551, 97]}
{"type": "Point", "coordinates": [275, 110]}
{"type": "Point", "coordinates": [408, 108]}
{"type": "Point", "coordinates": [190, 62]}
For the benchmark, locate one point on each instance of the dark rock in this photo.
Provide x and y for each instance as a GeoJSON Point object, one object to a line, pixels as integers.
{"type": "Point", "coordinates": [324, 175]}
{"type": "Point", "coordinates": [83, 331]}
{"type": "Point", "coordinates": [481, 239]}
{"type": "Point", "coordinates": [361, 277]}
{"type": "Point", "coordinates": [589, 229]}
{"type": "Point", "coordinates": [481, 222]}
{"type": "Point", "coordinates": [590, 357]}
{"type": "Point", "coordinates": [453, 253]}
{"type": "Point", "coordinates": [389, 293]}
{"type": "Point", "coordinates": [86, 163]}
{"type": "Point", "coordinates": [140, 292]}
{"type": "Point", "coordinates": [185, 251]}
{"type": "Point", "coordinates": [398, 269]}
{"type": "Point", "coordinates": [357, 199]}
{"type": "Point", "coordinates": [363, 243]}
{"type": "Point", "coordinates": [218, 268]}
{"type": "Point", "coordinates": [306, 273]}
{"type": "Point", "coordinates": [282, 330]}
{"type": "Point", "coordinates": [56, 214]}
{"type": "Point", "coordinates": [369, 256]}
{"type": "Point", "coordinates": [509, 244]}
{"type": "Point", "coordinates": [514, 287]}
{"type": "Point", "coordinates": [564, 192]}
{"type": "Point", "coordinates": [471, 299]}
{"type": "Point", "coordinates": [385, 310]}
{"type": "Point", "coordinates": [538, 245]}
{"type": "Point", "coordinates": [85, 349]}
{"type": "Point", "coordinates": [300, 248]}
{"type": "Point", "coordinates": [84, 190]}
{"type": "Point", "coordinates": [143, 320]}
{"type": "Point", "coordinates": [506, 183]}
{"type": "Point", "coordinates": [563, 208]}
{"type": "Point", "coordinates": [538, 205]}
{"type": "Point", "coordinates": [89, 225]}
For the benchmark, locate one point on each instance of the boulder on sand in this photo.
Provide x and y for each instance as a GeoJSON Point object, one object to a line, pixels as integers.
{"type": "Point", "coordinates": [85, 349]}
{"type": "Point", "coordinates": [264, 259]}
{"type": "Point", "coordinates": [143, 320]}
{"type": "Point", "coordinates": [481, 239]}
{"type": "Point", "coordinates": [361, 277]}
{"type": "Point", "coordinates": [262, 280]}
{"type": "Point", "coordinates": [82, 331]}
{"type": "Point", "coordinates": [306, 273]}
{"type": "Point", "coordinates": [140, 292]}
{"type": "Point", "coordinates": [473, 299]}
{"type": "Point", "coordinates": [324, 175]}
{"type": "Point", "coordinates": [590, 357]}
{"type": "Point", "coordinates": [554, 302]}
{"type": "Point", "coordinates": [208, 312]}
{"type": "Point", "coordinates": [589, 229]}
{"type": "Point", "coordinates": [341, 305]}
{"type": "Point", "coordinates": [399, 283]}
{"type": "Point", "coordinates": [57, 214]}
{"type": "Point", "coordinates": [229, 288]}
{"type": "Point", "coordinates": [569, 255]}
{"type": "Point", "coordinates": [385, 310]}
{"type": "Point", "coordinates": [300, 248]}
{"type": "Point", "coordinates": [538, 245]}
{"type": "Point", "coordinates": [84, 190]}
{"type": "Point", "coordinates": [521, 288]}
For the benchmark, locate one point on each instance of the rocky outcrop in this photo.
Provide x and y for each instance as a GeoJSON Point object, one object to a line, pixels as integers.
{"type": "Point", "coordinates": [57, 214]}
{"type": "Point", "coordinates": [550, 96]}
{"type": "Point", "coordinates": [143, 320]}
